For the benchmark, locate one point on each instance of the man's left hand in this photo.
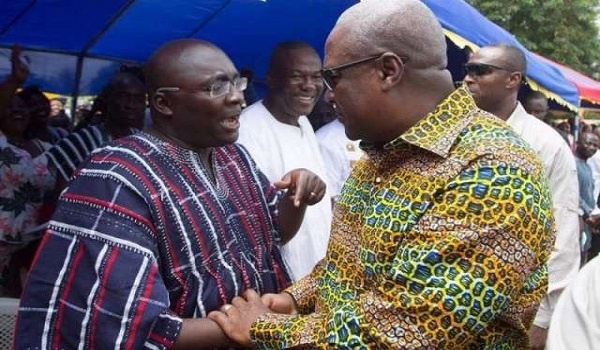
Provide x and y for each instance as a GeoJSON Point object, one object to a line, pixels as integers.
{"type": "Point", "coordinates": [237, 318]}
{"type": "Point", "coordinates": [303, 187]}
{"type": "Point", "coordinates": [537, 337]}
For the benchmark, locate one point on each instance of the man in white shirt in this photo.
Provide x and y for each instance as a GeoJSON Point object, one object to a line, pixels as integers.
{"type": "Point", "coordinates": [279, 137]}
{"type": "Point", "coordinates": [494, 75]}
{"type": "Point", "coordinates": [576, 319]}
{"type": "Point", "coordinates": [339, 154]}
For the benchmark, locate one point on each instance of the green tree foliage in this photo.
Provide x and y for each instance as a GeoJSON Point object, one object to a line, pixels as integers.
{"type": "Point", "coordinates": [563, 30]}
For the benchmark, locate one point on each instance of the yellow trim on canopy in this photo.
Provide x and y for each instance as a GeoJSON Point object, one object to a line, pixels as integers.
{"type": "Point", "coordinates": [462, 43]}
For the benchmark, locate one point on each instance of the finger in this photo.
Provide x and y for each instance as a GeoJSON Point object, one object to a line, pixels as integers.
{"type": "Point", "coordinates": [318, 187]}
{"type": "Point", "coordinates": [282, 185]}
{"type": "Point", "coordinates": [220, 318]}
{"type": "Point", "coordinates": [238, 302]}
{"type": "Point", "coordinates": [252, 296]}
{"type": "Point", "coordinates": [226, 307]}
{"type": "Point", "coordinates": [268, 299]}
{"type": "Point", "coordinates": [302, 192]}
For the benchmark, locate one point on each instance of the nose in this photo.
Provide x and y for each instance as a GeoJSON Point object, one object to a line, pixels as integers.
{"type": "Point", "coordinates": [468, 79]}
{"type": "Point", "coordinates": [236, 96]}
{"type": "Point", "coordinates": [329, 97]}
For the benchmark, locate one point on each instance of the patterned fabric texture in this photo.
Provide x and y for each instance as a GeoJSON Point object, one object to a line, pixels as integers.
{"type": "Point", "coordinates": [71, 151]}
{"type": "Point", "coordinates": [439, 241]}
{"type": "Point", "coordinates": [141, 238]}
{"type": "Point", "coordinates": [23, 183]}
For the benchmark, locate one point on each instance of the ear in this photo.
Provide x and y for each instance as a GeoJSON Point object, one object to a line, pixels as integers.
{"type": "Point", "coordinates": [514, 80]}
{"type": "Point", "coordinates": [161, 103]}
{"type": "Point", "coordinates": [391, 70]}
{"type": "Point", "coordinates": [270, 80]}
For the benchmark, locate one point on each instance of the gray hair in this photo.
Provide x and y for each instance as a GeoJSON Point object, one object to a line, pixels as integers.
{"type": "Point", "coordinates": [405, 27]}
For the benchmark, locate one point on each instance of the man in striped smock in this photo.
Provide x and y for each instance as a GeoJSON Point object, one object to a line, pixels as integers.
{"type": "Point", "coordinates": [126, 102]}
{"type": "Point", "coordinates": [159, 228]}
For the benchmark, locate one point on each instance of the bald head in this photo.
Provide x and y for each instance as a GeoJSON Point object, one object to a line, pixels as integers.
{"type": "Point", "coordinates": [405, 27]}
{"type": "Point", "coordinates": [511, 57]}
{"type": "Point", "coordinates": [177, 58]}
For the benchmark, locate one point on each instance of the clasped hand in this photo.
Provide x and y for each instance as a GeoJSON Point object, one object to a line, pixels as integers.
{"type": "Point", "coordinates": [237, 318]}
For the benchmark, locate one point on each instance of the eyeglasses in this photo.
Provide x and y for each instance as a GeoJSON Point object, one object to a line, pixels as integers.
{"type": "Point", "coordinates": [331, 76]}
{"type": "Point", "coordinates": [217, 89]}
{"type": "Point", "coordinates": [480, 69]}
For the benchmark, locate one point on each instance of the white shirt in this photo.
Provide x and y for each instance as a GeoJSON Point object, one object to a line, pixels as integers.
{"type": "Point", "coordinates": [559, 164]}
{"type": "Point", "coordinates": [576, 320]}
{"type": "Point", "coordinates": [278, 148]}
{"type": "Point", "coordinates": [339, 154]}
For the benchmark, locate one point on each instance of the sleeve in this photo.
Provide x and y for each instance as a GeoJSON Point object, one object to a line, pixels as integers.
{"type": "Point", "coordinates": [96, 282]}
{"type": "Point", "coordinates": [254, 136]}
{"type": "Point", "coordinates": [576, 320]}
{"type": "Point", "coordinates": [442, 290]}
{"type": "Point", "coordinates": [63, 157]}
{"type": "Point", "coordinates": [564, 261]}
{"type": "Point", "coordinates": [271, 193]}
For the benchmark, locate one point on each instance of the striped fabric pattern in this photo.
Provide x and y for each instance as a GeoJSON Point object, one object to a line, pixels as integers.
{"type": "Point", "coordinates": [68, 153]}
{"type": "Point", "coordinates": [142, 238]}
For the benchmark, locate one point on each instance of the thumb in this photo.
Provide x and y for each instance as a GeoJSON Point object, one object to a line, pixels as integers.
{"type": "Point", "coordinates": [268, 299]}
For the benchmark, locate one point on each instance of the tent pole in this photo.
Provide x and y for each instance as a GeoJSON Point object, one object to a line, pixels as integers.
{"type": "Point", "coordinates": [78, 72]}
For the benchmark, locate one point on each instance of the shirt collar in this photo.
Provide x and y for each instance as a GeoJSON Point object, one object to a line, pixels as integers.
{"type": "Point", "coordinates": [437, 131]}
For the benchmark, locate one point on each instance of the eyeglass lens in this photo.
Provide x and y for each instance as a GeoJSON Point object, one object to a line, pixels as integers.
{"type": "Point", "coordinates": [223, 87]}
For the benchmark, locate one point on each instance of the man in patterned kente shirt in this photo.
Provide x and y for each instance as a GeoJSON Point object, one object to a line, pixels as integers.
{"type": "Point", "coordinates": [442, 231]}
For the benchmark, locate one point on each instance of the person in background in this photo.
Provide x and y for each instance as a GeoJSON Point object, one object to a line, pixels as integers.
{"type": "Point", "coordinates": [250, 95]}
{"type": "Point", "coordinates": [323, 113]}
{"type": "Point", "coordinates": [339, 153]}
{"type": "Point", "coordinates": [442, 233]}
{"type": "Point", "coordinates": [494, 75]}
{"type": "Point", "coordinates": [125, 98]}
{"type": "Point", "coordinates": [58, 116]}
{"type": "Point", "coordinates": [279, 137]}
{"type": "Point", "coordinates": [587, 146]}
{"type": "Point", "coordinates": [536, 104]}
{"type": "Point", "coordinates": [24, 180]}
{"type": "Point", "coordinates": [162, 227]}
{"type": "Point", "coordinates": [576, 320]}
{"type": "Point", "coordinates": [39, 106]}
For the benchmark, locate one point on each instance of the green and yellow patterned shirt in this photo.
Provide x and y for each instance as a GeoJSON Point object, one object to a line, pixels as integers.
{"type": "Point", "coordinates": [439, 241]}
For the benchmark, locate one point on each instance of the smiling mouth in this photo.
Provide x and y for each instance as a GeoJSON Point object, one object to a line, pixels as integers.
{"type": "Point", "coordinates": [306, 99]}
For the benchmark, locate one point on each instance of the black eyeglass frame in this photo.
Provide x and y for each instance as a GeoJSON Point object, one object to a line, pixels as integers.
{"type": "Point", "coordinates": [467, 71]}
{"type": "Point", "coordinates": [328, 74]}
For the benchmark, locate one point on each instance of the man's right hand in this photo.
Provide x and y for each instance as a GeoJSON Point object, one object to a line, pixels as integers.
{"type": "Point", "coordinates": [282, 303]}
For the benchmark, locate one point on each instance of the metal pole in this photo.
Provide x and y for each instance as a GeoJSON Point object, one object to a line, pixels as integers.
{"type": "Point", "coordinates": [78, 72]}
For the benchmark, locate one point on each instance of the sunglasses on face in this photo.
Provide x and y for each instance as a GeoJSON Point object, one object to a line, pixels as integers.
{"type": "Point", "coordinates": [480, 69]}
{"type": "Point", "coordinates": [331, 76]}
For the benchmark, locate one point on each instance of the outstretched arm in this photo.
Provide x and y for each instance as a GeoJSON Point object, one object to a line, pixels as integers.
{"type": "Point", "coordinates": [18, 75]}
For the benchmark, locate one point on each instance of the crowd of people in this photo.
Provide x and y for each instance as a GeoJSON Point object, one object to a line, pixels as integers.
{"type": "Point", "coordinates": [365, 202]}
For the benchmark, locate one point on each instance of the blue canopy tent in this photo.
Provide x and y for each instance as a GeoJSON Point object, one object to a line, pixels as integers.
{"type": "Point", "coordinates": [74, 46]}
